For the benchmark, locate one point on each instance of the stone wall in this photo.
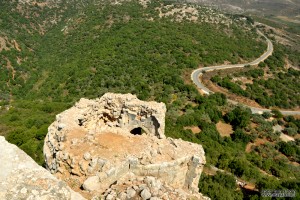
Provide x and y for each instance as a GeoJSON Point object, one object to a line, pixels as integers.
{"type": "Point", "coordinates": [181, 173]}
{"type": "Point", "coordinates": [127, 112]}
{"type": "Point", "coordinates": [91, 145]}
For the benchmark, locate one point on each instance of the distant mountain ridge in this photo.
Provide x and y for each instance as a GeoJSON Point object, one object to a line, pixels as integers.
{"type": "Point", "coordinates": [290, 8]}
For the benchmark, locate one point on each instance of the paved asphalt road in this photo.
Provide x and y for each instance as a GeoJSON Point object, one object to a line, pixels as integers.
{"type": "Point", "coordinates": [198, 72]}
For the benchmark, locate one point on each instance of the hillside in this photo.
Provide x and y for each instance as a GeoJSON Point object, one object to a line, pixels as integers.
{"type": "Point", "coordinates": [287, 8]}
{"type": "Point", "coordinates": [284, 14]}
{"type": "Point", "coordinates": [55, 52]}
{"type": "Point", "coordinates": [94, 40]}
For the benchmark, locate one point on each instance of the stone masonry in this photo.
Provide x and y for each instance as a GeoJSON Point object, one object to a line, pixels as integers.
{"type": "Point", "coordinates": [91, 146]}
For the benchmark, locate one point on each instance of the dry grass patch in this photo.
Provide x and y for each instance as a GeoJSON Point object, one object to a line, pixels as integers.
{"type": "Point", "coordinates": [297, 136]}
{"type": "Point", "coordinates": [249, 147]}
{"type": "Point", "coordinates": [4, 43]}
{"type": "Point", "coordinates": [194, 129]}
{"type": "Point", "coordinates": [253, 125]}
{"type": "Point", "coordinates": [257, 142]}
{"type": "Point", "coordinates": [224, 129]}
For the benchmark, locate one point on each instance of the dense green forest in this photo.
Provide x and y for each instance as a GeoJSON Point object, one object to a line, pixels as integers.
{"type": "Point", "coordinates": [274, 157]}
{"type": "Point", "coordinates": [72, 51]}
{"type": "Point", "coordinates": [273, 85]}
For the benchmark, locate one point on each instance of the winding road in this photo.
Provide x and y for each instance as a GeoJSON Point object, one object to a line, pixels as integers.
{"type": "Point", "coordinates": [196, 74]}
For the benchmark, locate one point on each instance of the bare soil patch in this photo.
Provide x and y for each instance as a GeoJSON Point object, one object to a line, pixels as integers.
{"type": "Point", "coordinates": [257, 142]}
{"type": "Point", "coordinates": [17, 46]}
{"type": "Point", "coordinates": [297, 136]}
{"type": "Point", "coordinates": [11, 68]}
{"type": "Point", "coordinates": [108, 145]}
{"type": "Point", "coordinates": [253, 125]}
{"type": "Point", "coordinates": [249, 147]}
{"type": "Point", "coordinates": [250, 186]}
{"type": "Point", "coordinates": [286, 138]}
{"type": "Point", "coordinates": [224, 129]}
{"type": "Point", "coordinates": [194, 129]}
{"type": "Point", "coordinates": [3, 42]}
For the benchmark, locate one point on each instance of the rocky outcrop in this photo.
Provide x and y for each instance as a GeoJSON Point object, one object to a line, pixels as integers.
{"type": "Point", "coordinates": [124, 111]}
{"type": "Point", "coordinates": [97, 143]}
{"type": "Point", "coordinates": [147, 187]}
{"type": "Point", "coordinates": [22, 178]}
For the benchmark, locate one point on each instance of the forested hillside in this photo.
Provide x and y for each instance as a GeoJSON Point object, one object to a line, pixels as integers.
{"type": "Point", "coordinates": [272, 84]}
{"type": "Point", "coordinates": [55, 53]}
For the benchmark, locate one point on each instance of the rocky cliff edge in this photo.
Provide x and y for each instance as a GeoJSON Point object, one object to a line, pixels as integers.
{"type": "Point", "coordinates": [22, 178]}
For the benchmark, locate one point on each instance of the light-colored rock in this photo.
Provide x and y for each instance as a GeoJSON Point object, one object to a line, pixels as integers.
{"type": "Point", "coordinates": [122, 196]}
{"type": "Point", "coordinates": [87, 156]}
{"type": "Point", "coordinates": [130, 193]}
{"type": "Point", "coordinates": [154, 198]}
{"type": "Point", "coordinates": [109, 197]}
{"type": "Point", "coordinates": [145, 194]}
{"type": "Point", "coordinates": [22, 178]}
{"type": "Point", "coordinates": [99, 149]}
{"type": "Point", "coordinates": [125, 111]}
{"type": "Point", "coordinates": [166, 191]}
{"type": "Point", "coordinates": [92, 183]}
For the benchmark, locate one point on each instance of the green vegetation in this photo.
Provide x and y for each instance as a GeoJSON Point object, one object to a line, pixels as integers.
{"type": "Point", "coordinates": [29, 123]}
{"type": "Point", "coordinates": [223, 183]}
{"type": "Point", "coordinates": [75, 51]}
{"type": "Point", "coordinates": [90, 51]}
{"type": "Point", "coordinates": [272, 157]}
{"type": "Point", "coordinates": [273, 85]}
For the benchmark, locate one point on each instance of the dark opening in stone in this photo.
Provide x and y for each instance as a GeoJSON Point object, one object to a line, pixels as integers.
{"type": "Point", "coordinates": [137, 131]}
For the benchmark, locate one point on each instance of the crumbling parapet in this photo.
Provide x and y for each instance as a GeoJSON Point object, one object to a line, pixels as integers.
{"type": "Point", "coordinates": [91, 144]}
{"type": "Point", "coordinates": [125, 111]}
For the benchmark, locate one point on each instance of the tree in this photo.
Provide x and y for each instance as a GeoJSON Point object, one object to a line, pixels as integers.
{"type": "Point", "coordinates": [287, 149]}
{"type": "Point", "coordinates": [266, 115]}
{"type": "Point", "coordinates": [276, 113]}
{"type": "Point", "coordinates": [238, 167]}
{"type": "Point", "coordinates": [223, 161]}
{"type": "Point", "coordinates": [223, 183]}
{"type": "Point", "coordinates": [238, 117]}
{"type": "Point", "coordinates": [290, 131]}
{"type": "Point", "coordinates": [268, 183]}
{"type": "Point", "coordinates": [240, 136]}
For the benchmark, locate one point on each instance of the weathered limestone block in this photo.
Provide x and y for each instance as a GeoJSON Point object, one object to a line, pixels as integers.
{"type": "Point", "coordinates": [148, 187]}
{"type": "Point", "coordinates": [96, 144]}
{"type": "Point", "coordinates": [126, 111]}
{"type": "Point", "coordinates": [22, 178]}
{"type": "Point", "coordinates": [92, 183]}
